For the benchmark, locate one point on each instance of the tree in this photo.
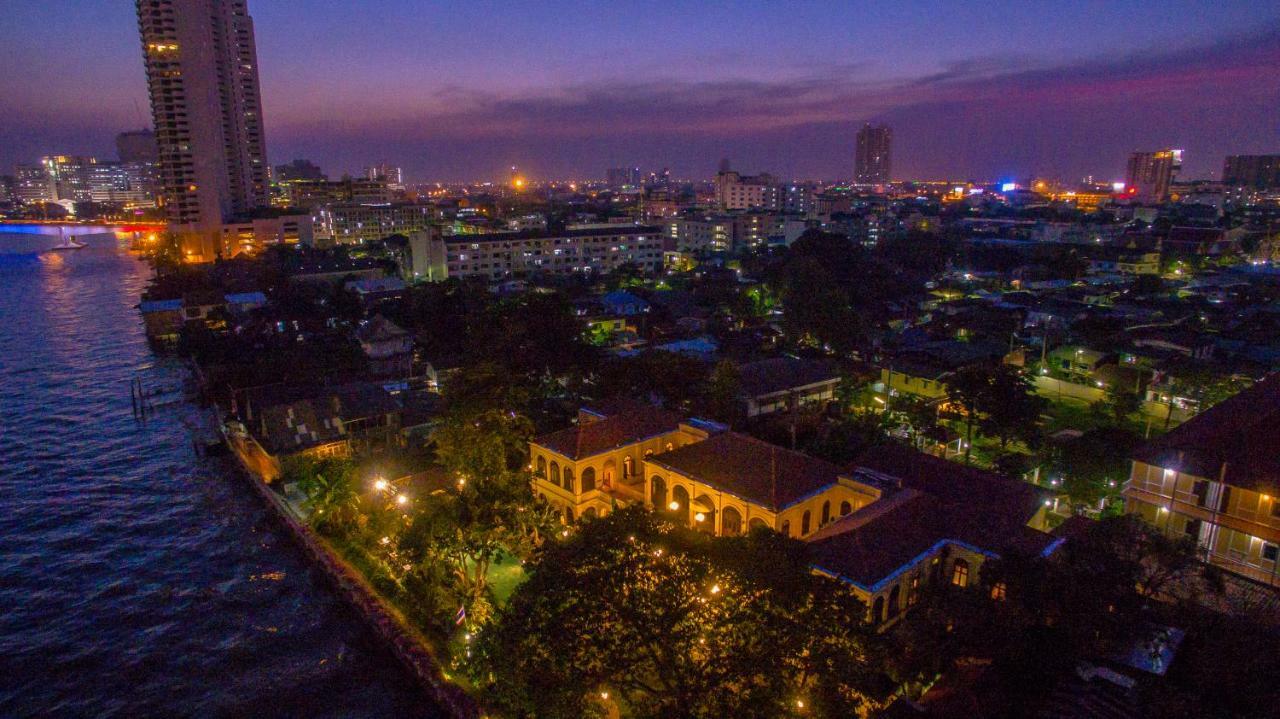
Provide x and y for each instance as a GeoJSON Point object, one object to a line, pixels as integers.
{"type": "Point", "coordinates": [1120, 403]}
{"type": "Point", "coordinates": [1000, 399]}
{"type": "Point", "coordinates": [921, 414]}
{"type": "Point", "coordinates": [1084, 601]}
{"type": "Point", "coordinates": [489, 513]}
{"type": "Point", "coordinates": [331, 490]}
{"type": "Point", "coordinates": [661, 622]}
{"type": "Point", "coordinates": [968, 389]}
{"type": "Point", "coordinates": [1012, 406]}
{"type": "Point", "coordinates": [724, 393]}
{"type": "Point", "coordinates": [1093, 465]}
{"type": "Point", "coordinates": [462, 532]}
{"type": "Point", "coordinates": [483, 444]}
{"type": "Point", "coordinates": [673, 379]}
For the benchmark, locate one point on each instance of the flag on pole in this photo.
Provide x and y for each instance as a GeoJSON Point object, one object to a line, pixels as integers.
{"type": "Point", "coordinates": [461, 616]}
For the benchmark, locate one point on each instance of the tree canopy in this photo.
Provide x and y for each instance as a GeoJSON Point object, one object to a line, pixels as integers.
{"type": "Point", "coordinates": [665, 623]}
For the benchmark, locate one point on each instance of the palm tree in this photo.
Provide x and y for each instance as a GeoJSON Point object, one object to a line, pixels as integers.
{"type": "Point", "coordinates": [330, 488]}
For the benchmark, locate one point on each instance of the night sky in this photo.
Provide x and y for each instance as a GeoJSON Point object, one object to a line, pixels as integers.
{"type": "Point", "coordinates": [460, 91]}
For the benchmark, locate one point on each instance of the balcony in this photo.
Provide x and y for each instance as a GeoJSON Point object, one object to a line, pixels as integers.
{"type": "Point", "coordinates": [1236, 565]}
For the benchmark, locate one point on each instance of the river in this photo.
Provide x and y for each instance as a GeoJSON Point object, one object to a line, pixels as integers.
{"type": "Point", "coordinates": [137, 578]}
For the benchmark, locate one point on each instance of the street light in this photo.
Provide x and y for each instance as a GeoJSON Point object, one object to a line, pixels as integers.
{"type": "Point", "coordinates": [380, 484]}
{"type": "Point", "coordinates": [402, 499]}
{"type": "Point", "coordinates": [699, 517]}
{"type": "Point", "coordinates": [673, 506]}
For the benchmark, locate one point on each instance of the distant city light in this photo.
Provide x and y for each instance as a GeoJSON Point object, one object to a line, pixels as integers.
{"type": "Point", "coordinates": [1008, 187]}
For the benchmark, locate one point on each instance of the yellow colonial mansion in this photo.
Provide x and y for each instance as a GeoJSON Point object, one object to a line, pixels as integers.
{"type": "Point", "coordinates": [887, 525]}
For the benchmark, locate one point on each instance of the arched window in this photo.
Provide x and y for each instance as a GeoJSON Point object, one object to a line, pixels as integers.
{"type": "Point", "coordinates": [680, 496]}
{"type": "Point", "coordinates": [658, 492]}
{"type": "Point", "coordinates": [568, 515]}
{"type": "Point", "coordinates": [960, 573]}
{"type": "Point", "coordinates": [542, 467]}
{"type": "Point", "coordinates": [730, 522]}
{"type": "Point", "coordinates": [786, 529]}
{"type": "Point", "coordinates": [628, 467]}
{"type": "Point", "coordinates": [543, 497]}
{"type": "Point", "coordinates": [756, 523]}
{"type": "Point", "coordinates": [845, 508]}
{"type": "Point", "coordinates": [588, 480]}
{"type": "Point", "coordinates": [555, 474]}
{"type": "Point", "coordinates": [999, 591]}
{"type": "Point", "coordinates": [877, 611]}
{"type": "Point", "coordinates": [568, 478]}
{"type": "Point", "coordinates": [610, 469]}
{"type": "Point", "coordinates": [893, 600]}
{"type": "Point", "coordinates": [826, 513]}
{"type": "Point", "coordinates": [590, 513]}
{"type": "Point", "coordinates": [914, 594]}
{"type": "Point", "coordinates": [804, 523]}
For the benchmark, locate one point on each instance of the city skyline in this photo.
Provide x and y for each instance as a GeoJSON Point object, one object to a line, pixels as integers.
{"type": "Point", "coordinates": [981, 94]}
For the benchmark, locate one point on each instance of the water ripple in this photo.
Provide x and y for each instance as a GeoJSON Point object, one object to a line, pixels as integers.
{"type": "Point", "coordinates": [132, 571]}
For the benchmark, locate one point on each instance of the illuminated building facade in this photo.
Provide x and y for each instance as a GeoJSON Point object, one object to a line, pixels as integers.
{"type": "Point", "coordinates": [873, 155]}
{"type": "Point", "coordinates": [894, 522]}
{"type": "Point", "coordinates": [202, 76]}
{"type": "Point", "coordinates": [1216, 480]}
{"type": "Point", "coordinates": [1150, 175]}
{"type": "Point", "coordinates": [735, 191]}
{"type": "Point", "coordinates": [584, 249]}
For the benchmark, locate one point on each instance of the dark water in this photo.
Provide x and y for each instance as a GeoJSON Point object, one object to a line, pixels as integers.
{"type": "Point", "coordinates": [137, 579]}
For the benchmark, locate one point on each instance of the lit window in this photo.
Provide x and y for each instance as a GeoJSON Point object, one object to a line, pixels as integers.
{"type": "Point", "coordinates": [998, 591]}
{"type": "Point", "coordinates": [960, 573]}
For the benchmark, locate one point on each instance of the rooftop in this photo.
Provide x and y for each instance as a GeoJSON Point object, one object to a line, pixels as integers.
{"type": "Point", "coordinates": [1233, 442]}
{"type": "Point", "coordinates": [752, 469]}
{"type": "Point", "coordinates": [938, 502]}
{"type": "Point", "coordinates": [784, 373]}
{"type": "Point", "coordinates": [614, 427]}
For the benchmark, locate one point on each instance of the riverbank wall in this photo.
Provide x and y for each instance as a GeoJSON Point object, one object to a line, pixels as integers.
{"type": "Point", "coordinates": [388, 624]}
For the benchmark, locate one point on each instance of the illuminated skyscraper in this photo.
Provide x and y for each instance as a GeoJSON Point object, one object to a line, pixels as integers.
{"type": "Point", "coordinates": [1150, 175]}
{"type": "Point", "coordinates": [873, 158]}
{"type": "Point", "coordinates": [202, 73]}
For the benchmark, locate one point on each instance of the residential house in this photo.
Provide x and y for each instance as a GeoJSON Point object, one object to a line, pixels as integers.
{"type": "Point", "coordinates": [1216, 480]}
{"type": "Point", "coordinates": [388, 347]}
{"type": "Point", "coordinates": [935, 521]}
{"type": "Point", "coordinates": [785, 383]}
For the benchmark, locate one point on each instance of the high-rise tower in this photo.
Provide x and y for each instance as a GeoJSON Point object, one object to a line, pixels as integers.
{"type": "Point", "coordinates": [202, 73]}
{"type": "Point", "coordinates": [1149, 175]}
{"type": "Point", "coordinates": [873, 156]}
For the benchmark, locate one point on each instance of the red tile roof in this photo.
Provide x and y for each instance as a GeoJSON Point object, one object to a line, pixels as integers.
{"type": "Point", "coordinates": [939, 502]}
{"type": "Point", "coordinates": [749, 468]}
{"type": "Point", "coordinates": [1233, 441]}
{"type": "Point", "coordinates": [614, 430]}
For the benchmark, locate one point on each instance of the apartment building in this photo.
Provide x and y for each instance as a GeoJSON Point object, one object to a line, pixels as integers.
{"type": "Point", "coordinates": [1216, 480]}
{"type": "Point", "coordinates": [584, 249]}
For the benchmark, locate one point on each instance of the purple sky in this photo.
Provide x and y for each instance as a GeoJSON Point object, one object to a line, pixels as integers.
{"type": "Point", "coordinates": [993, 90]}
